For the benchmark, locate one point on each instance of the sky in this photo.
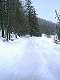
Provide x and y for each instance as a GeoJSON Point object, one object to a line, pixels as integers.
{"type": "Point", "coordinates": [46, 8]}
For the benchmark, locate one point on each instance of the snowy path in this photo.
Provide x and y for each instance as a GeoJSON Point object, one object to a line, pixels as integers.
{"type": "Point", "coordinates": [30, 59]}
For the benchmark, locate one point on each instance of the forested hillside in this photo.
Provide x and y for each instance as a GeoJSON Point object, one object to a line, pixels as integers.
{"type": "Point", "coordinates": [47, 27]}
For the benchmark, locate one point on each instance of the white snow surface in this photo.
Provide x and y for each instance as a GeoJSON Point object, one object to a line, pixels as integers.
{"type": "Point", "coordinates": [30, 58]}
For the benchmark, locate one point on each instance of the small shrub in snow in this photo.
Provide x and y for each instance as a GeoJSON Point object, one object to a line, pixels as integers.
{"type": "Point", "coordinates": [12, 39]}
{"type": "Point", "coordinates": [48, 36]}
{"type": "Point", "coordinates": [4, 40]}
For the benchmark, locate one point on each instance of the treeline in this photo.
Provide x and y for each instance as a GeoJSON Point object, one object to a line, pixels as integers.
{"type": "Point", "coordinates": [18, 18]}
{"type": "Point", "coordinates": [47, 27]}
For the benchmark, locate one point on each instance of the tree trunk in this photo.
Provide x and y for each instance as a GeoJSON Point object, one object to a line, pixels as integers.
{"type": "Point", "coordinates": [2, 26]}
{"type": "Point", "coordinates": [9, 35]}
{"type": "Point", "coordinates": [2, 32]}
{"type": "Point", "coordinates": [31, 33]}
{"type": "Point", "coordinates": [15, 35]}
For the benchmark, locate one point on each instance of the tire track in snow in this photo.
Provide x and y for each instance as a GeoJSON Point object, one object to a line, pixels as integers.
{"type": "Point", "coordinates": [34, 65]}
{"type": "Point", "coordinates": [51, 54]}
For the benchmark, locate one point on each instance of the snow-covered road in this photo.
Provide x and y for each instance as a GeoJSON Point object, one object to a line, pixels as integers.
{"type": "Point", "coordinates": [30, 59]}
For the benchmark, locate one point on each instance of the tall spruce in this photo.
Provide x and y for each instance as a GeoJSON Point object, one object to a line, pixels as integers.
{"type": "Point", "coordinates": [32, 18]}
{"type": "Point", "coordinates": [11, 10]}
{"type": "Point", "coordinates": [2, 10]}
{"type": "Point", "coordinates": [20, 20]}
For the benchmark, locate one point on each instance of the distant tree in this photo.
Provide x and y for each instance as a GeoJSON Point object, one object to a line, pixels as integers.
{"type": "Point", "coordinates": [20, 20]}
{"type": "Point", "coordinates": [32, 19]}
{"type": "Point", "coordinates": [35, 26]}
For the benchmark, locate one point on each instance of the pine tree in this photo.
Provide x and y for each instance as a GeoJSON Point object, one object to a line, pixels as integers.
{"type": "Point", "coordinates": [32, 18]}
{"type": "Point", "coordinates": [35, 26]}
{"type": "Point", "coordinates": [11, 11]}
{"type": "Point", "coordinates": [20, 20]}
{"type": "Point", "coordinates": [2, 16]}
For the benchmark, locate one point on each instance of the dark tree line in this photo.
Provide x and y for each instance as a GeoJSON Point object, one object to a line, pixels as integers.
{"type": "Point", "coordinates": [19, 19]}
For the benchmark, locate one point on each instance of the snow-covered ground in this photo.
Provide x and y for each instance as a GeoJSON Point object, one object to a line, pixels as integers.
{"type": "Point", "coordinates": [32, 58]}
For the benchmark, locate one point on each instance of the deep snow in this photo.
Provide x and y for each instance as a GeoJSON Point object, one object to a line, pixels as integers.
{"type": "Point", "coordinates": [32, 58]}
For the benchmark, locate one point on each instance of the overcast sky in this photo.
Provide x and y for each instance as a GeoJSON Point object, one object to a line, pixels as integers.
{"type": "Point", "coordinates": [46, 8]}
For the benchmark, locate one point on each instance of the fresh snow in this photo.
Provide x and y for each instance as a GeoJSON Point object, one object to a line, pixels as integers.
{"type": "Point", "coordinates": [30, 58]}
